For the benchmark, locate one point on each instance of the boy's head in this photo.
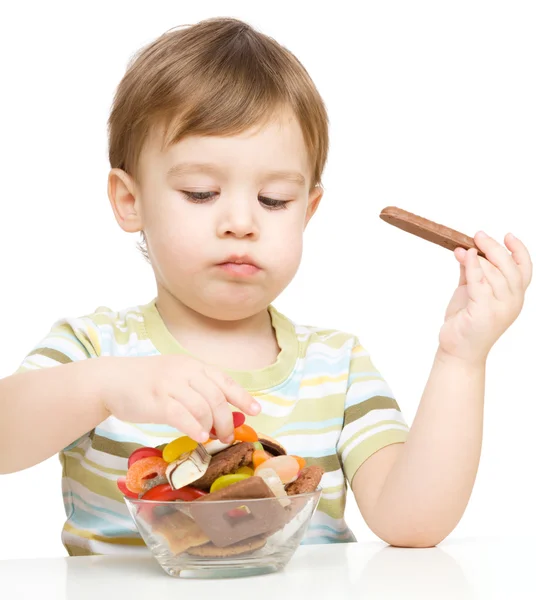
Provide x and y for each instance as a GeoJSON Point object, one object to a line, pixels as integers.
{"type": "Point", "coordinates": [217, 141]}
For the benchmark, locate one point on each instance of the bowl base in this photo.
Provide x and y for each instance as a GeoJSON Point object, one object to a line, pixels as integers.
{"type": "Point", "coordinates": [222, 571]}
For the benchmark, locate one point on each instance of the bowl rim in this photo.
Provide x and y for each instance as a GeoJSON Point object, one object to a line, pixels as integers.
{"type": "Point", "coordinates": [141, 501]}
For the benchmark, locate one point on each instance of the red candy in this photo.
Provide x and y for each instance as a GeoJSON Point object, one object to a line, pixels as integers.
{"type": "Point", "coordinates": [165, 493]}
{"type": "Point", "coordinates": [143, 453]}
{"type": "Point", "coordinates": [123, 488]}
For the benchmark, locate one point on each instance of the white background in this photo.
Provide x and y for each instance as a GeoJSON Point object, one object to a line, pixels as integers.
{"type": "Point", "coordinates": [432, 108]}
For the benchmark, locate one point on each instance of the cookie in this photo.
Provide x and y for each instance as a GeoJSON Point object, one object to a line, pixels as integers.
{"type": "Point", "coordinates": [212, 551]}
{"type": "Point", "coordinates": [273, 447]}
{"type": "Point", "coordinates": [307, 481]}
{"type": "Point", "coordinates": [179, 532]}
{"type": "Point", "coordinates": [225, 462]}
{"type": "Point", "coordinates": [428, 230]}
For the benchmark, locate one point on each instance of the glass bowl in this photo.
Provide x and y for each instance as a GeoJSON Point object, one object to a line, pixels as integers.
{"type": "Point", "coordinates": [224, 538]}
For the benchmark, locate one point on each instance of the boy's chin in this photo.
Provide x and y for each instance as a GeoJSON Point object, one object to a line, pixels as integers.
{"type": "Point", "coordinates": [227, 310]}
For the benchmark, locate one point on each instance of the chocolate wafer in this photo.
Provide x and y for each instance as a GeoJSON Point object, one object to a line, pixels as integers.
{"type": "Point", "coordinates": [428, 230]}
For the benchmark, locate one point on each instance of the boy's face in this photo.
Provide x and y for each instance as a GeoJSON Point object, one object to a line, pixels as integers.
{"type": "Point", "coordinates": [223, 216]}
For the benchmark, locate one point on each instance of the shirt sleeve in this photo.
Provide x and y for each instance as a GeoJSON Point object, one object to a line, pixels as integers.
{"type": "Point", "coordinates": [372, 417]}
{"type": "Point", "coordinates": [68, 340]}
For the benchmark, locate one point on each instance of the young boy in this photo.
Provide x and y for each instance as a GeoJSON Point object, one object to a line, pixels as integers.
{"type": "Point", "coordinates": [218, 140]}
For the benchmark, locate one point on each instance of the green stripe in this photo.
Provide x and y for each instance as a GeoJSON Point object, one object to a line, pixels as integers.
{"type": "Point", "coordinates": [355, 412]}
{"type": "Point", "coordinates": [52, 354]}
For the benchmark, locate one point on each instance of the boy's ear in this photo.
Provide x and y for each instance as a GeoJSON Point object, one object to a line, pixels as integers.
{"type": "Point", "coordinates": [122, 193]}
{"type": "Point", "coordinates": [314, 200]}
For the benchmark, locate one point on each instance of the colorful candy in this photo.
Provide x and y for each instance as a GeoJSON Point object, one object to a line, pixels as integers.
{"type": "Point", "coordinates": [177, 447]}
{"type": "Point", "coordinates": [245, 433]}
{"type": "Point", "coordinates": [165, 493]}
{"type": "Point", "coordinates": [259, 456]}
{"type": "Point", "coordinates": [143, 453]}
{"type": "Point", "coordinates": [143, 469]}
{"type": "Point", "coordinates": [285, 466]}
{"type": "Point", "coordinates": [226, 480]}
{"type": "Point", "coordinates": [246, 470]}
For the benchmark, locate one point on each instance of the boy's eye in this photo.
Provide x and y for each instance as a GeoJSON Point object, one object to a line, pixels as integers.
{"type": "Point", "coordinates": [200, 197]}
{"type": "Point", "coordinates": [273, 204]}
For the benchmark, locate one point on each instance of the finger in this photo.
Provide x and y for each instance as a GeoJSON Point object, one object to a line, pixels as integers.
{"type": "Point", "coordinates": [235, 394]}
{"type": "Point", "coordinates": [178, 416]}
{"type": "Point", "coordinates": [501, 258]}
{"type": "Point", "coordinates": [521, 257]}
{"type": "Point", "coordinates": [460, 253]}
{"type": "Point", "coordinates": [478, 287]}
{"type": "Point", "coordinates": [222, 415]}
{"type": "Point", "coordinates": [499, 286]}
{"type": "Point", "coordinates": [196, 405]}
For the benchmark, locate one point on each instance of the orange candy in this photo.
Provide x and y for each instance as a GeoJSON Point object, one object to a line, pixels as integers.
{"type": "Point", "coordinates": [285, 466]}
{"type": "Point", "coordinates": [301, 461]}
{"type": "Point", "coordinates": [245, 433]}
{"type": "Point", "coordinates": [144, 469]}
{"type": "Point", "coordinates": [259, 456]}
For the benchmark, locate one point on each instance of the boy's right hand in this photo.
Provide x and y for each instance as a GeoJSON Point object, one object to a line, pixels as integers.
{"type": "Point", "coordinates": [175, 390]}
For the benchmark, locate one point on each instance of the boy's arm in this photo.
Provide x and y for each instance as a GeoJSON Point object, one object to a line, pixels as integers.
{"type": "Point", "coordinates": [45, 410]}
{"type": "Point", "coordinates": [414, 494]}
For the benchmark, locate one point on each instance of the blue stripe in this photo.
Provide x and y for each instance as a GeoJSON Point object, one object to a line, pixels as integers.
{"type": "Point", "coordinates": [82, 519]}
{"type": "Point", "coordinates": [106, 511]}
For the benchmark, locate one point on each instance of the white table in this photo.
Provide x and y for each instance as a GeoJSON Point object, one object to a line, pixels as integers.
{"type": "Point", "coordinates": [457, 569]}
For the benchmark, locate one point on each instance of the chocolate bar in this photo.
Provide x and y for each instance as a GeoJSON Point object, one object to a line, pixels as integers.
{"type": "Point", "coordinates": [251, 513]}
{"type": "Point", "coordinates": [428, 230]}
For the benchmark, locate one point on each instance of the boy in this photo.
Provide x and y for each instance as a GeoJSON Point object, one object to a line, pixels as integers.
{"type": "Point", "coordinates": [218, 140]}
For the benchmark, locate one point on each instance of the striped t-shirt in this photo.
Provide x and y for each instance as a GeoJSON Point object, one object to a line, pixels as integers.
{"type": "Point", "coordinates": [322, 399]}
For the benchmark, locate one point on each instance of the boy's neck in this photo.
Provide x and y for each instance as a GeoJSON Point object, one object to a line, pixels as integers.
{"type": "Point", "coordinates": [244, 344]}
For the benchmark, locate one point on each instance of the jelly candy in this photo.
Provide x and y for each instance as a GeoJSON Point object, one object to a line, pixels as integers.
{"type": "Point", "coordinates": [301, 461]}
{"type": "Point", "coordinates": [142, 469]}
{"type": "Point", "coordinates": [258, 446]}
{"type": "Point", "coordinates": [123, 488]}
{"type": "Point", "coordinates": [245, 433]}
{"type": "Point", "coordinates": [247, 470]}
{"type": "Point", "coordinates": [226, 480]}
{"type": "Point", "coordinates": [165, 493]}
{"type": "Point", "coordinates": [285, 466]}
{"type": "Point", "coordinates": [259, 456]}
{"type": "Point", "coordinates": [177, 447]}
{"type": "Point", "coordinates": [143, 453]}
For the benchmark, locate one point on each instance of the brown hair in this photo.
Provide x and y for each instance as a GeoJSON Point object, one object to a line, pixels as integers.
{"type": "Point", "coordinates": [217, 77]}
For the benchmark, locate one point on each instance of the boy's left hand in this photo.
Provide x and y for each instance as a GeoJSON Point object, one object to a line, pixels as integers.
{"type": "Point", "coordinates": [488, 299]}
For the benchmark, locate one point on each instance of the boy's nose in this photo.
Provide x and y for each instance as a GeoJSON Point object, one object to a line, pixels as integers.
{"type": "Point", "coordinates": [238, 220]}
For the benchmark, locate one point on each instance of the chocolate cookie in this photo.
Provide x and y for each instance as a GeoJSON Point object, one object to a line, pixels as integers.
{"type": "Point", "coordinates": [273, 447]}
{"type": "Point", "coordinates": [307, 481]}
{"type": "Point", "coordinates": [225, 462]}
{"type": "Point", "coordinates": [427, 230]}
{"type": "Point", "coordinates": [212, 551]}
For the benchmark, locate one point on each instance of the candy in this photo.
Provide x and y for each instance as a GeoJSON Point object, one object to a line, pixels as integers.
{"type": "Point", "coordinates": [285, 466]}
{"type": "Point", "coordinates": [259, 456]}
{"type": "Point", "coordinates": [301, 461]}
{"type": "Point", "coordinates": [274, 482]}
{"type": "Point", "coordinates": [226, 480]}
{"type": "Point", "coordinates": [165, 493]}
{"type": "Point", "coordinates": [258, 446]}
{"type": "Point", "coordinates": [142, 469]}
{"type": "Point", "coordinates": [121, 484]}
{"type": "Point", "coordinates": [177, 447]}
{"type": "Point", "coordinates": [189, 467]}
{"type": "Point", "coordinates": [245, 433]}
{"type": "Point", "coordinates": [247, 470]}
{"type": "Point", "coordinates": [143, 453]}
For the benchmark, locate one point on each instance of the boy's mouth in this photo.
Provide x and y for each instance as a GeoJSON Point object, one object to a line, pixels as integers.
{"type": "Point", "coordinates": [239, 266]}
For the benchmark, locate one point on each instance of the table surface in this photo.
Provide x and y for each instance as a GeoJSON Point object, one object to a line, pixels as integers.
{"type": "Point", "coordinates": [459, 569]}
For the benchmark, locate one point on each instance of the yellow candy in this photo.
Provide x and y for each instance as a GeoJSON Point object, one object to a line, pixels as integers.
{"type": "Point", "coordinates": [246, 470]}
{"type": "Point", "coordinates": [226, 480]}
{"type": "Point", "coordinates": [177, 447]}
